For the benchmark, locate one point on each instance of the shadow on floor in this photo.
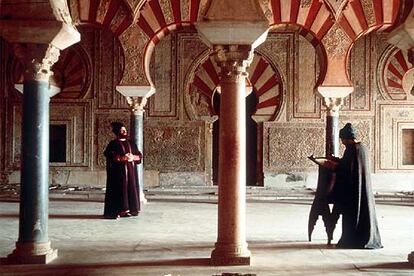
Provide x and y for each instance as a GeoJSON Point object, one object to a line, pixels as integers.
{"type": "Point", "coordinates": [389, 266]}
{"type": "Point", "coordinates": [257, 245]}
{"type": "Point", "coordinates": [173, 262]}
{"type": "Point", "coordinates": [74, 216]}
{"type": "Point", "coordinates": [57, 216]}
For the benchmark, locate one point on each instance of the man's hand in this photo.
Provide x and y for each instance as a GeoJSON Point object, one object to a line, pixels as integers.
{"type": "Point", "coordinates": [129, 157]}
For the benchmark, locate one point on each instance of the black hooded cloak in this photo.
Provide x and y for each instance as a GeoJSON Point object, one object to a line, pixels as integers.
{"type": "Point", "coordinates": [353, 197]}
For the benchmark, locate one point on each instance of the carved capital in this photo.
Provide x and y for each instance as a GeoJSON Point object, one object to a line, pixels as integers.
{"type": "Point", "coordinates": [233, 60]}
{"type": "Point", "coordinates": [137, 104]}
{"type": "Point", "coordinates": [333, 105]}
{"type": "Point", "coordinates": [38, 60]}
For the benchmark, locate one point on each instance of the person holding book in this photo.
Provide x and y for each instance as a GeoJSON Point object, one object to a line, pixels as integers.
{"type": "Point", "coordinates": [352, 194]}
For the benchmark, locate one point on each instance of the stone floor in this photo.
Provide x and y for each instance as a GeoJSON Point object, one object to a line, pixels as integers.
{"type": "Point", "coordinates": [176, 238]}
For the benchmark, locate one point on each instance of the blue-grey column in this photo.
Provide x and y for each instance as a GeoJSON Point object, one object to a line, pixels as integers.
{"type": "Point", "coordinates": [33, 245]}
{"type": "Point", "coordinates": [34, 163]}
{"type": "Point", "coordinates": [137, 119]}
{"type": "Point", "coordinates": [332, 134]}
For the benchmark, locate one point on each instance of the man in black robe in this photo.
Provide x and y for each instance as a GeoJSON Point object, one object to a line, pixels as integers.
{"type": "Point", "coordinates": [352, 195]}
{"type": "Point", "coordinates": [122, 157]}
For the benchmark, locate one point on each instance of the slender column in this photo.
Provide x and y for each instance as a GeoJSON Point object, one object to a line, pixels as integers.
{"type": "Point", "coordinates": [332, 125]}
{"type": "Point", "coordinates": [231, 245]}
{"type": "Point", "coordinates": [33, 245]}
{"type": "Point", "coordinates": [137, 118]}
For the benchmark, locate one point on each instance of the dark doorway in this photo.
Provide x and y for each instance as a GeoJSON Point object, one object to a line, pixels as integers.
{"type": "Point", "coordinates": [57, 143]}
{"type": "Point", "coordinates": [251, 140]}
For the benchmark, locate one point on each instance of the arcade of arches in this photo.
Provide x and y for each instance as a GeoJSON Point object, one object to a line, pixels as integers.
{"type": "Point", "coordinates": [322, 64]}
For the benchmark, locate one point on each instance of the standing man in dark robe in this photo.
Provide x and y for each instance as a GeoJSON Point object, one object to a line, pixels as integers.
{"type": "Point", "coordinates": [353, 196]}
{"type": "Point", "coordinates": [122, 157]}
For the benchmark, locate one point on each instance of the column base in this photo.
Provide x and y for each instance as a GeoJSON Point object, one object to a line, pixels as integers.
{"type": "Point", "coordinates": [142, 198]}
{"type": "Point", "coordinates": [411, 258]}
{"type": "Point", "coordinates": [230, 254]}
{"type": "Point", "coordinates": [31, 253]}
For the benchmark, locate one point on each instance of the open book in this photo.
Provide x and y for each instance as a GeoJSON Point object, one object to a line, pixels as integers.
{"type": "Point", "coordinates": [324, 162]}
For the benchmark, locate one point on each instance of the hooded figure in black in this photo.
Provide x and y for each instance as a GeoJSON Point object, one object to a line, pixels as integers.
{"type": "Point", "coordinates": [122, 157]}
{"type": "Point", "coordinates": [353, 195]}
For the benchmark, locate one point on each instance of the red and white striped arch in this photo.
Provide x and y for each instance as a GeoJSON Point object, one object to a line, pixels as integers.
{"type": "Point", "coordinates": [158, 18]}
{"type": "Point", "coordinates": [71, 73]}
{"type": "Point", "coordinates": [363, 16]}
{"type": "Point", "coordinates": [115, 15]}
{"type": "Point", "coordinates": [264, 79]}
{"type": "Point", "coordinates": [394, 73]}
{"type": "Point", "coordinates": [314, 18]}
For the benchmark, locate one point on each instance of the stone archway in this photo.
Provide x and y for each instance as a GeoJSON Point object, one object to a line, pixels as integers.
{"type": "Point", "coordinates": [265, 97]}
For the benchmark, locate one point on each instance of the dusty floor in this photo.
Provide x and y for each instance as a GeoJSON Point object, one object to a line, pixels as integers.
{"type": "Point", "coordinates": [176, 238]}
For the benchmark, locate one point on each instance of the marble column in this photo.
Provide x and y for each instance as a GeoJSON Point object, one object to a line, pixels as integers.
{"type": "Point", "coordinates": [231, 245]}
{"type": "Point", "coordinates": [137, 131]}
{"type": "Point", "coordinates": [33, 245]}
{"type": "Point", "coordinates": [332, 125]}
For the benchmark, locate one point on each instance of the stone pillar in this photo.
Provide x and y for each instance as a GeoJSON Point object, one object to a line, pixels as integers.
{"type": "Point", "coordinates": [231, 245]}
{"type": "Point", "coordinates": [136, 97]}
{"type": "Point", "coordinates": [137, 131]}
{"type": "Point", "coordinates": [332, 125]}
{"type": "Point", "coordinates": [33, 245]}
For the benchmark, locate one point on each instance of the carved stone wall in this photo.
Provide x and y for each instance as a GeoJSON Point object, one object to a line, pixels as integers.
{"type": "Point", "coordinates": [286, 146]}
{"type": "Point", "coordinates": [175, 146]}
{"type": "Point", "coordinates": [163, 71]}
{"type": "Point", "coordinates": [306, 104]}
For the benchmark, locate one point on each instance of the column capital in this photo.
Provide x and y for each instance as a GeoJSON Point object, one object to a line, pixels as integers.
{"type": "Point", "coordinates": [136, 96]}
{"type": "Point", "coordinates": [38, 60]}
{"type": "Point", "coordinates": [333, 105]}
{"type": "Point", "coordinates": [137, 104]}
{"type": "Point", "coordinates": [233, 59]}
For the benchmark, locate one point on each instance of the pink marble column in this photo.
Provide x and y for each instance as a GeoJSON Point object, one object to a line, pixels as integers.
{"type": "Point", "coordinates": [231, 245]}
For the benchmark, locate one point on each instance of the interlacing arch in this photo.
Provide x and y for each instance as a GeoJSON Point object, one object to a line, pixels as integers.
{"type": "Point", "coordinates": [141, 24]}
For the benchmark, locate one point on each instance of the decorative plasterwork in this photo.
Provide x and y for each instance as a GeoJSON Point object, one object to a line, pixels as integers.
{"type": "Point", "coordinates": [167, 11]}
{"type": "Point", "coordinates": [305, 3]}
{"type": "Point", "coordinates": [134, 42]}
{"type": "Point", "coordinates": [368, 8]}
{"type": "Point", "coordinates": [174, 146]}
{"type": "Point", "coordinates": [336, 42]}
{"type": "Point", "coordinates": [286, 146]}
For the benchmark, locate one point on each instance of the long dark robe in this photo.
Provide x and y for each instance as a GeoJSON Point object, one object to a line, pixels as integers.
{"type": "Point", "coordinates": [122, 182]}
{"type": "Point", "coordinates": [354, 198]}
